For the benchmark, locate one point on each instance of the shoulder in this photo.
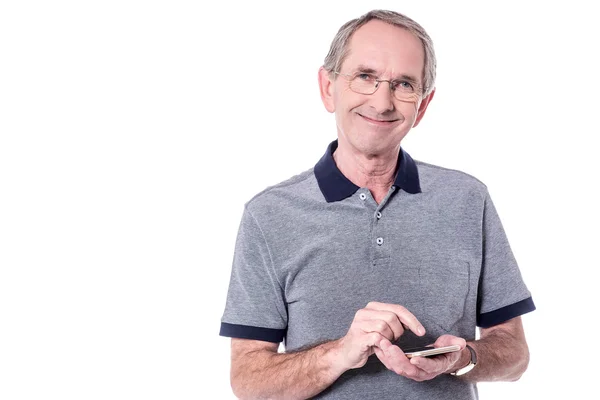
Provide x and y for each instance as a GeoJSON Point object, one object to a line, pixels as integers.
{"type": "Point", "coordinates": [299, 188]}
{"type": "Point", "coordinates": [449, 182]}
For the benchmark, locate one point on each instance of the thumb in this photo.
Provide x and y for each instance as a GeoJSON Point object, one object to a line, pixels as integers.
{"type": "Point", "coordinates": [384, 344]}
{"type": "Point", "coordinates": [449, 340]}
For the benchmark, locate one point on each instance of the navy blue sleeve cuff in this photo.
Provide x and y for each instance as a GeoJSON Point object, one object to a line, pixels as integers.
{"type": "Point", "coordinates": [503, 314]}
{"type": "Point", "coordinates": [252, 332]}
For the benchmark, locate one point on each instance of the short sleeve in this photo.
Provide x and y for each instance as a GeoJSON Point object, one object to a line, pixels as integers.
{"type": "Point", "coordinates": [255, 306]}
{"type": "Point", "coordinates": [502, 291]}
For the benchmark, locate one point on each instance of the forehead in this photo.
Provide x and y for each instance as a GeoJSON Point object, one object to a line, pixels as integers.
{"type": "Point", "coordinates": [386, 48]}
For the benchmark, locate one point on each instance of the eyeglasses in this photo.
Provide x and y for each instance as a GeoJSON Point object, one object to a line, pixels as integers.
{"type": "Point", "coordinates": [364, 83]}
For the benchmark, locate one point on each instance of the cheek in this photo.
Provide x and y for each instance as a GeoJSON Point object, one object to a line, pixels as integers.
{"type": "Point", "coordinates": [410, 107]}
{"type": "Point", "coordinates": [344, 119]}
{"type": "Point", "coordinates": [346, 107]}
{"type": "Point", "coordinates": [346, 100]}
{"type": "Point", "coordinates": [410, 110]}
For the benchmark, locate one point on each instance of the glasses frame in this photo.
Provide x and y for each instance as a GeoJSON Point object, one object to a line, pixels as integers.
{"type": "Point", "coordinates": [419, 92]}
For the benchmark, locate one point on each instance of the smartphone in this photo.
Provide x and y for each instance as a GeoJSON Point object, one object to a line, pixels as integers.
{"type": "Point", "coordinates": [429, 351]}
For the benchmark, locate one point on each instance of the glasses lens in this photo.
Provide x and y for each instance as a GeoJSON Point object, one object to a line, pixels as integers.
{"type": "Point", "coordinates": [404, 96]}
{"type": "Point", "coordinates": [406, 92]}
{"type": "Point", "coordinates": [363, 84]}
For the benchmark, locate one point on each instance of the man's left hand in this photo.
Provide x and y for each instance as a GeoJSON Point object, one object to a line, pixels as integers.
{"type": "Point", "coordinates": [421, 368]}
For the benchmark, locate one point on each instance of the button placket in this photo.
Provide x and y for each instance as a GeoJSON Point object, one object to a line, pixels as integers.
{"type": "Point", "coordinates": [381, 250]}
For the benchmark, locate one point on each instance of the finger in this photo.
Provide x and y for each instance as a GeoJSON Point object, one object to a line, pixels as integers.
{"type": "Point", "coordinates": [372, 339]}
{"type": "Point", "coordinates": [449, 340]}
{"type": "Point", "coordinates": [377, 326]}
{"type": "Point", "coordinates": [451, 359]}
{"type": "Point", "coordinates": [384, 344]}
{"type": "Point", "coordinates": [397, 360]}
{"type": "Point", "coordinates": [406, 317]}
{"type": "Point", "coordinates": [382, 357]}
{"type": "Point", "coordinates": [431, 365]}
{"type": "Point", "coordinates": [390, 318]}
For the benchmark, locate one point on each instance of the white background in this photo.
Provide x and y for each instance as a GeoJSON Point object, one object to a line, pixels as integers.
{"type": "Point", "coordinates": [132, 134]}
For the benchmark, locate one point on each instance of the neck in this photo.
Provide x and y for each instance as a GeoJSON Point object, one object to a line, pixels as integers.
{"type": "Point", "coordinates": [376, 172]}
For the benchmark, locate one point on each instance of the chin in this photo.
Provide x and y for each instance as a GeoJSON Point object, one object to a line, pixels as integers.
{"type": "Point", "coordinates": [373, 147]}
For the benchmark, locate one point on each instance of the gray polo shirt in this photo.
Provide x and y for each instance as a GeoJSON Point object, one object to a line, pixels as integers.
{"type": "Point", "coordinates": [314, 249]}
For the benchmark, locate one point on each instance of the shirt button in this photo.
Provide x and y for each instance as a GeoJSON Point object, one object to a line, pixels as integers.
{"type": "Point", "coordinates": [379, 241]}
{"type": "Point", "coordinates": [362, 196]}
{"type": "Point", "coordinates": [378, 215]}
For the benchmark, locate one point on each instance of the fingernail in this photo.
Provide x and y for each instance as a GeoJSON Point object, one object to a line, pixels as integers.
{"type": "Point", "coordinates": [421, 330]}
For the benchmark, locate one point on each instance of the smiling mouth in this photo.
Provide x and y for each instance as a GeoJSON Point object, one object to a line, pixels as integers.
{"type": "Point", "coordinates": [378, 121]}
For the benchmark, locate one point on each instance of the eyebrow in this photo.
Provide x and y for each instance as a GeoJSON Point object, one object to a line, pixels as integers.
{"type": "Point", "coordinates": [403, 77]}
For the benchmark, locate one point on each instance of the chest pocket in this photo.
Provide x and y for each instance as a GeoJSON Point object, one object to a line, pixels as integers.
{"type": "Point", "coordinates": [444, 288]}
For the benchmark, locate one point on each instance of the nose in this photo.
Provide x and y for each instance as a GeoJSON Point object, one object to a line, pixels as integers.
{"type": "Point", "coordinates": [382, 99]}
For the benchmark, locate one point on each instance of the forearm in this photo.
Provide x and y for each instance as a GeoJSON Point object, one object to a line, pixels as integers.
{"type": "Point", "coordinates": [501, 356]}
{"type": "Point", "coordinates": [300, 375]}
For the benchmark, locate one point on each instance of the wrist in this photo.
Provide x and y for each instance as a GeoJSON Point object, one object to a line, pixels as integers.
{"type": "Point", "coordinates": [334, 358]}
{"type": "Point", "coordinates": [466, 362]}
{"type": "Point", "coordinates": [463, 361]}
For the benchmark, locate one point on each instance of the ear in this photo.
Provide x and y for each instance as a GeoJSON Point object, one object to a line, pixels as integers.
{"type": "Point", "coordinates": [423, 107]}
{"type": "Point", "coordinates": [326, 89]}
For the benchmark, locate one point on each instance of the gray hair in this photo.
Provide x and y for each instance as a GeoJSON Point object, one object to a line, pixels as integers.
{"type": "Point", "coordinates": [339, 46]}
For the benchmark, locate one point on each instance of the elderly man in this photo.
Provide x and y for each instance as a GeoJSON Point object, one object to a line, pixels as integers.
{"type": "Point", "coordinates": [372, 252]}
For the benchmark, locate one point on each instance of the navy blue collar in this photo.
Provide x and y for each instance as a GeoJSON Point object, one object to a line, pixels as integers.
{"type": "Point", "coordinates": [335, 186]}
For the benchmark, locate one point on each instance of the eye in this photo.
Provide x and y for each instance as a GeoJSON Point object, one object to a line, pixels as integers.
{"type": "Point", "coordinates": [364, 77]}
{"type": "Point", "coordinates": [404, 86]}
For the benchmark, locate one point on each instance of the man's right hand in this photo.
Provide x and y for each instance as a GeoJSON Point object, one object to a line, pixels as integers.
{"type": "Point", "coordinates": [373, 324]}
